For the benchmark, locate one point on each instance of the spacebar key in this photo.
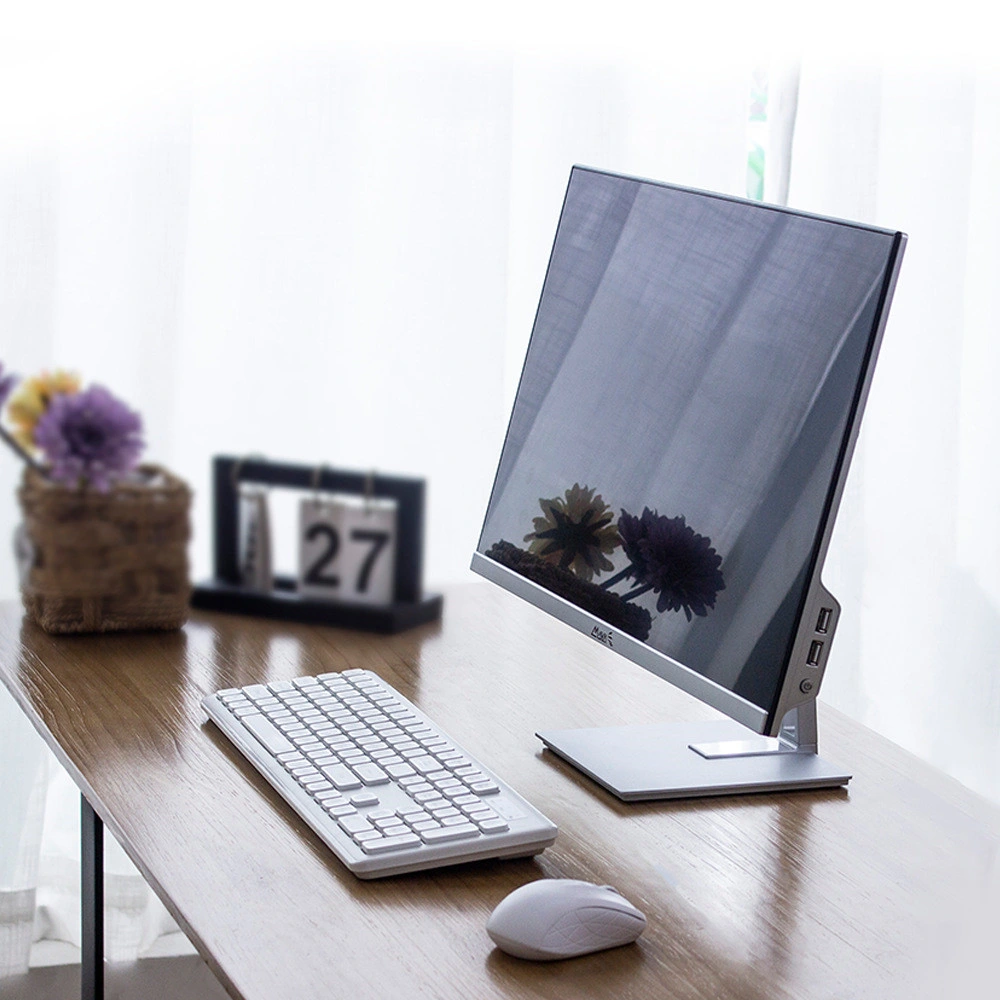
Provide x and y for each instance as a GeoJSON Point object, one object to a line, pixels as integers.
{"type": "Point", "coordinates": [449, 833]}
{"type": "Point", "coordinates": [266, 733]}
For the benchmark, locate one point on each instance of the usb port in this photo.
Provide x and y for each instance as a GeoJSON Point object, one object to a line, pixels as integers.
{"type": "Point", "coordinates": [814, 650]}
{"type": "Point", "coordinates": [823, 625]}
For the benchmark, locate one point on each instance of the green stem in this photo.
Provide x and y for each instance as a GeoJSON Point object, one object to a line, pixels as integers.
{"type": "Point", "coordinates": [638, 592]}
{"type": "Point", "coordinates": [611, 581]}
{"type": "Point", "coordinates": [20, 452]}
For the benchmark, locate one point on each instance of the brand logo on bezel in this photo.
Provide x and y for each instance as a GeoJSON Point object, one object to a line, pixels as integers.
{"type": "Point", "coordinates": [602, 635]}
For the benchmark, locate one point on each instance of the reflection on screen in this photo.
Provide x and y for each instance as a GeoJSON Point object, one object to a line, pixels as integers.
{"type": "Point", "coordinates": [687, 388]}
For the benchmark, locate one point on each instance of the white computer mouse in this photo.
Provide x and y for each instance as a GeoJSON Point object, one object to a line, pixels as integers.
{"type": "Point", "coordinates": [563, 917]}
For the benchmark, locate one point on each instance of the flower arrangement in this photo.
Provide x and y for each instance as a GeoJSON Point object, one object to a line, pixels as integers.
{"type": "Point", "coordinates": [74, 436]}
{"type": "Point", "coordinates": [103, 544]}
{"type": "Point", "coordinates": [572, 543]}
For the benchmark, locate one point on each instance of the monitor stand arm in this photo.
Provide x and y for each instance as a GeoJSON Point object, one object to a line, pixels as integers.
{"type": "Point", "coordinates": [690, 760]}
{"type": "Point", "coordinates": [798, 734]}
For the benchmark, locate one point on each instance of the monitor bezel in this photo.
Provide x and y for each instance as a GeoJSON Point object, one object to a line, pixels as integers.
{"type": "Point", "coordinates": [799, 681]}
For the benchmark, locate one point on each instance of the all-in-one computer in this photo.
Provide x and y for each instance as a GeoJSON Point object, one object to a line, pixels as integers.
{"type": "Point", "coordinates": [679, 443]}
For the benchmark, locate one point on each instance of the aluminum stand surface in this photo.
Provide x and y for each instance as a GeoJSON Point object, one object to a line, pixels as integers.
{"type": "Point", "coordinates": [688, 760]}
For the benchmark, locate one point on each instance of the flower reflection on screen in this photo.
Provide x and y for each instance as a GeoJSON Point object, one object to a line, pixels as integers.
{"type": "Point", "coordinates": [577, 532]}
{"type": "Point", "coordinates": [670, 558]}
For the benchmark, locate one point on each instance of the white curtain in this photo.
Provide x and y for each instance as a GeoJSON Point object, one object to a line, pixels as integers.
{"type": "Point", "coordinates": [323, 255]}
{"type": "Point", "coordinates": [916, 554]}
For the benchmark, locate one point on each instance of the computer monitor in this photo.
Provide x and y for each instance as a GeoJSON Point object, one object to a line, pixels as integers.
{"type": "Point", "coordinates": [678, 446]}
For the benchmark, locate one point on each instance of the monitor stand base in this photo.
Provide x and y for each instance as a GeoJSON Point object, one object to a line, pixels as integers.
{"type": "Point", "coordinates": [689, 760]}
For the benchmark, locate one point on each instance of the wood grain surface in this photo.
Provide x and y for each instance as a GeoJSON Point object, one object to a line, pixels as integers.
{"type": "Point", "coordinates": [888, 889]}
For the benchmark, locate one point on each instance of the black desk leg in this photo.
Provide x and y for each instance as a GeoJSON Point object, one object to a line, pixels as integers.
{"type": "Point", "coordinates": [91, 902]}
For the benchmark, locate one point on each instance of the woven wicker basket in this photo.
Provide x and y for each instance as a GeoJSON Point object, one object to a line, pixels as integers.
{"type": "Point", "coordinates": [105, 562]}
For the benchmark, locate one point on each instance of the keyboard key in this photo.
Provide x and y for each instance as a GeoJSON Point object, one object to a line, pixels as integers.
{"type": "Point", "coordinates": [364, 799]}
{"type": "Point", "coordinates": [267, 734]}
{"type": "Point", "coordinates": [425, 824]}
{"type": "Point", "coordinates": [398, 771]}
{"type": "Point", "coordinates": [318, 786]}
{"type": "Point", "coordinates": [387, 844]}
{"type": "Point", "coordinates": [431, 795]}
{"type": "Point", "coordinates": [343, 779]}
{"type": "Point", "coordinates": [332, 797]}
{"type": "Point", "coordinates": [341, 810]}
{"type": "Point", "coordinates": [438, 742]}
{"type": "Point", "coordinates": [485, 787]}
{"type": "Point", "coordinates": [447, 833]}
{"type": "Point", "coordinates": [371, 774]}
{"type": "Point", "coordinates": [354, 824]}
{"type": "Point", "coordinates": [425, 764]}
{"type": "Point", "coordinates": [418, 816]}
{"type": "Point", "coordinates": [493, 825]}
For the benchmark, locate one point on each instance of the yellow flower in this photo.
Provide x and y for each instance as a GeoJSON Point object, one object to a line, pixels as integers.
{"type": "Point", "coordinates": [32, 399]}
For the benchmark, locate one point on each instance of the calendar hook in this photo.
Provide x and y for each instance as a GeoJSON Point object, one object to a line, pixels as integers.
{"type": "Point", "coordinates": [237, 469]}
{"type": "Point", "coordinates": [369, 490]}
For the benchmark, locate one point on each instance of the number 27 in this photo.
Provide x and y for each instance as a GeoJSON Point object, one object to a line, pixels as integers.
{"type": "Point", "coordinates": [316, 575]}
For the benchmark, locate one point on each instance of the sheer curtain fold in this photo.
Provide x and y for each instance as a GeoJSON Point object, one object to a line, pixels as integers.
{"type": "Point", "coordinates": [915, 554]}
{"type": "Point", "coordinates": [24, 766]}
{"type": "Point", "coordinates": [326, 256]}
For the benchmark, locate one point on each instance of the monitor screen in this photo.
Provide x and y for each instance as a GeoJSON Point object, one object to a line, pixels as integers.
{"type": "Point", "coordinates": [682, 418]}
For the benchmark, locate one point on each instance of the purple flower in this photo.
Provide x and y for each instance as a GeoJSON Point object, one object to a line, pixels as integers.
{"type": "Point", "coordinates": [91, 436]}
{"type": "Point", "coordinates": [673, 560]}
{"type": "Point", "coordinates": [7, 383]}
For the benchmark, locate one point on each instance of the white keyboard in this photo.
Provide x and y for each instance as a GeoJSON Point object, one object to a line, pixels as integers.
{"type": "Point", "coordinates": [381, 785]}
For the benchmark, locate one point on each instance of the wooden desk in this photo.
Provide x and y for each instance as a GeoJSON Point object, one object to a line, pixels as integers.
{"type": "Point", "coordinates": [889, 889]}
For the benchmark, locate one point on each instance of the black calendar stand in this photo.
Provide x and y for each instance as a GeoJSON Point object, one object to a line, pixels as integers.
{"type": "Point", "coordinates": [224, 593]}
